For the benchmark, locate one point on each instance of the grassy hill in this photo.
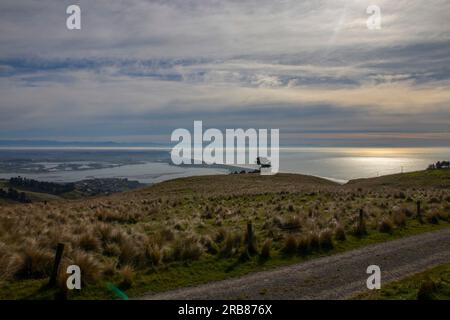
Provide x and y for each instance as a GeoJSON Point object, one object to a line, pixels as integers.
{"type": "Point", "coordinates": [37, 191]}
{"type": "Point", "coordinates": [191, 230]}
{"type": "Point", "coordinates": [236, 184]}
{"type": "Point", "coordinates": [437, 178]}
{"type": "Point", "coordinates": [35, 196]}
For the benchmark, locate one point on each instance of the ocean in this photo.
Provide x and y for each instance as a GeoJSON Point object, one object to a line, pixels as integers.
{"type": "Point", "coordinates": [151, 165]}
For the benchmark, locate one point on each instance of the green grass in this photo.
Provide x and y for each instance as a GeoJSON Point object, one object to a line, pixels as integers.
{"type": "Point", "coordinates": [203, 207]}
{"type": "Point", "coordinates": [408, 288]}
{"type": "Point", "coordinates": [208, 269]}
{"type": "Point", "coordinates": [438, 178]}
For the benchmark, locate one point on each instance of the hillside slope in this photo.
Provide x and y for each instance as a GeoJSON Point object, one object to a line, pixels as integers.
{"type": "Point", "coordinates": [193, 230]}
{"type": "Point", "coordinates": [420, 179]}
{"type": "Point", "coordinates": [236, 184]}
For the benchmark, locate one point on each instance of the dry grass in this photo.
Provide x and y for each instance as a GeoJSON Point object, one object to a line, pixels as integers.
{"type": "Point", "coordinates": [127, 275]}
{"type": "Point", "coordinates": [326, 240]}
{"type": "Point", "coordinates": [290, 244]}
{"type": "Point", "coordinates": [339, 233]}
{"type": "Point", "coordinates": [265, 250]}
{"type": "Point", "coordinates": [185, 220]}
{"type": "Point", "coordinates": [386, 226]}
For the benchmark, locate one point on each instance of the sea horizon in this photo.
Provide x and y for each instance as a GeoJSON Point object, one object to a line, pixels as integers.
{"type": "Point", "coordinates": [153, 164]}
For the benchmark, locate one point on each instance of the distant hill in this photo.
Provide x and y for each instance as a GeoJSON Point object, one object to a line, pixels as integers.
{"type": "Point", "coordinates": [53, 143]}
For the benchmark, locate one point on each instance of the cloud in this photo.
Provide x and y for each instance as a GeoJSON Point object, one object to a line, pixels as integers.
{"type": "Point", "coordinates": [144, 67]}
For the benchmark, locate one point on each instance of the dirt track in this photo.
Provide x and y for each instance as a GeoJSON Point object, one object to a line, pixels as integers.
{"type": "Point", "coordinates": [335, 277]}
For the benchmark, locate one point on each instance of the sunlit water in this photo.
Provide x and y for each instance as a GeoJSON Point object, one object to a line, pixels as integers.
{"type": "Point", "coordinates": [343, 164]}
{"type": "Point", "coordinates": [149, 165]}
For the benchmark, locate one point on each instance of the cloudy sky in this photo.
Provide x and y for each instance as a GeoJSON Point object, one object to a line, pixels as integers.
{"type": "Point", "coordinates": [139, 69]}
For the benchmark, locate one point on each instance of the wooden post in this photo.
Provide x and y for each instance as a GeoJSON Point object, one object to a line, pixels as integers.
{"type": "Point", "coordinates": [419, 213]}
{"type": "Point", "coordinates": [58, 256]}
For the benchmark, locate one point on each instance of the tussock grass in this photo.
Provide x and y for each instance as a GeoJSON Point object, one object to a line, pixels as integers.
{"type": "Point", "coordinates": [183, 221]}
{"type": "Point", "coordinates": [339, 233]}
{"type": "Point", "coordinates": [386, 225]}
{"type": "Point", "coordinates": [265, 250]}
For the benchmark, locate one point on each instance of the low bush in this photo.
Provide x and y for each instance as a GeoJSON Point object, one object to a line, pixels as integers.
{"type": "Point", "coordinates": [427, 290]}
{"type": "Point", "coordinates": [339, 234]}
{"type": "Point", "coordinates": [386, 225]}
{"type": "Point", "coordinates": [126, 277]}
{"type": "Point", "coordinates": [187, 249]}
{"type": "Point", "coordinates": [290, 245]}
{"type": "Point", "coordinates": [326, 240]}
{"type": "Point", "coordinates": [265, 250]}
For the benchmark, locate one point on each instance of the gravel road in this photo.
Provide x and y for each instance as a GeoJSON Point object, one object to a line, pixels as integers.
{"type": "Point", "coordinates": [335, 277]}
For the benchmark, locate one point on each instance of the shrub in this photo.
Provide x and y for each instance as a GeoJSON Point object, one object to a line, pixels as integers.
{"type": "Point", "coordinates": [127, 277]}
{"type": "Point", "coordinates": [104, 231]}
{"type": "Point", "coordinates": [339, 234]}
{"type": "Point", "coordinates": [128, 254]}
{"type": "Point", "coordinates": [427, 290]}
{"type": "Point", "coordinates": [111, 249]}
{"type": "Point", "coordinates": [265, 250]}
{"type": "Point", "coordinates": [9, 263]}
{"type": "Point", "coordinates": [433, 217]}
{"type": "Point", "coordinates": [118, 236]}
{"type": "Point", "coordinates": [386, 226]}
{"type": "Point", "coordinates": [326, 240]}
{"type": "Point", "coordinates": [303, 245]}
{"type": "Point", "coordinates": [221, 235]}
{"type": "Point", "coordinates": [227, 247]}
{"type": "Point", "coordinates": [88, 242]}
{"type": "Point", "coordinates": [231, 244]}
{"type": "Point", "coordinates": [90, 268]}
{"type": "Point", "coordinates": [34, 262]}
{"type": "Point", "coordinates": [399, 218]}
{"type": "Point", "coordinates": [290, 244]}
{"type": "Point", "coordinates": [187, 249]}
{"type": "Point", "coordinates": [314, 241]}
{"type": "Point", "coordinates": [210, 245]}
{"type": "Point", "coordinates": [109, 268]}
{"type": "Point", "coordinates": [153, 254]}
{"type": "Point", "coordinates": [408, 212]}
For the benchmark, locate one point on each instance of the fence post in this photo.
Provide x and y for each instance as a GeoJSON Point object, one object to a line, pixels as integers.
{"type": "Point", "coordinates": [58, 256]}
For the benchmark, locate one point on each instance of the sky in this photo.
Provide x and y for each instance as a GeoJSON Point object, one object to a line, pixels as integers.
{"type": "Point", "coordinates": [139, 69]}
